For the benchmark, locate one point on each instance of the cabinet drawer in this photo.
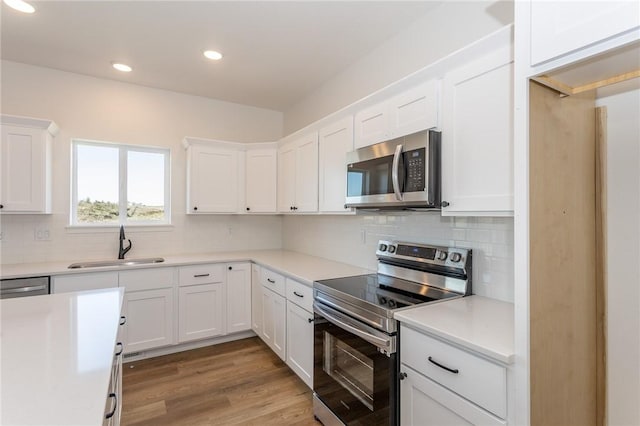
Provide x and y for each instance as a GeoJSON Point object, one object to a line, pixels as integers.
{"type": "Point", "coordinates": [272, 281]}
{"type": "Point", "coordinates": [146, 279]}
{"type": "Point", "coordinates": [201, 274]}
{"type": "Point", "coordinates": [474, 378]}
{"type": "Point", "coordinates": [300, 294]}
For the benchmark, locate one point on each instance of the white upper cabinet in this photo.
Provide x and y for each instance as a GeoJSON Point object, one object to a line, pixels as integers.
{"type": "Point", "coordinates": [26, 165]}
{"type": "Point", "coordinates": [409, 112]}
{"type": "Point", "coordinates": [298, 175]}
{"type": "Point", "coordinates": [563, 27]}
{"type": "Point", "coordinates": [336, 140]}
{"type": "Point", "coordinates": [212, 179]}
{"type": "Point", "coordinates": [477, 137]}
{"type": "Point", "coordinates": [261, 180]}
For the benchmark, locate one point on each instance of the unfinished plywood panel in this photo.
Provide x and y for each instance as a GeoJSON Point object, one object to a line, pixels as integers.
{"type": "Point", "coordinates": [563, 258]}
{"type": "Point", "coordinates": [601, 262]}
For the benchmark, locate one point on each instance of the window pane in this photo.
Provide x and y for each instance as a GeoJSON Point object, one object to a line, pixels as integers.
{"type": "Point", "coordinates": [97, 184]}
{"type": "Point", "coordinates": [145, 186]}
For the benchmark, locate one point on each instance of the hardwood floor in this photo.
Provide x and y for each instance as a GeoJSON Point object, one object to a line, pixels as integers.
{"type": "Point", "coordinates": [241, 382]}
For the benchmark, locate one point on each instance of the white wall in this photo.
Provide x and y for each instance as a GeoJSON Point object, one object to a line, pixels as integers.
{"type": "Point", "coordinates": [623, 257]}
{"type": "Point", "coordinates": [105, 110]}
{"type": "Point", "coordinates": [445, 29]}
{"type": "Point", "coordinates": [340, 238]}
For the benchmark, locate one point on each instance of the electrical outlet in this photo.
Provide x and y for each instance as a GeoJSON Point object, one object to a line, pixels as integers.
{"type": "Point", "coordinates": [41, 233]}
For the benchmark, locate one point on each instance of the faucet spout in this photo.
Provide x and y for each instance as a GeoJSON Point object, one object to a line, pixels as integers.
{"type": "Point", "coordinates": [123, 250]}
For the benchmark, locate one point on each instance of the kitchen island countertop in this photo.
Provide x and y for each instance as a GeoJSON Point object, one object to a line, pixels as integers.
{"type": "Point", "coordinates": [57, 354]}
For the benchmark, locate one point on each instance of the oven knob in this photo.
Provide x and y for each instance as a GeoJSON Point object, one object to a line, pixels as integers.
{"type": "Point", "coordinates": [442, 255]}
{"type": "Point", "coordinates": [455, 257]}
{"type": "Point", "coordinates": [382, 247]}
{"type": "Point", "coordinates": [392, 249]}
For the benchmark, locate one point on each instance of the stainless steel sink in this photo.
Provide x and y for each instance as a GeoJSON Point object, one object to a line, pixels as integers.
{"type": "Point", "coordinates": [117, 262]}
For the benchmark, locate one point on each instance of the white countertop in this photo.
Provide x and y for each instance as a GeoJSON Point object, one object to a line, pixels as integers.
{"type": "Point", "coordinates": [57, 352]}
{"type": "Point", "coordinates": [301, 267]}
{"type": "Point", "coordinates": [478, 323]}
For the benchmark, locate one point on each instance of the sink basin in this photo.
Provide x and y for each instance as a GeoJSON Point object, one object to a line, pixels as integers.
{"type": "Point", "coordinates": [117, 262]}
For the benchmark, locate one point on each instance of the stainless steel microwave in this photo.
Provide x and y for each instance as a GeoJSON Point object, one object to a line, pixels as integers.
{"type": "Point", "coordinates": [400, 173]}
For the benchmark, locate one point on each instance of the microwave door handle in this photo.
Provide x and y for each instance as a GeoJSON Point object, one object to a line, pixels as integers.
{"type": "Point", "coordinates": [395, 172]}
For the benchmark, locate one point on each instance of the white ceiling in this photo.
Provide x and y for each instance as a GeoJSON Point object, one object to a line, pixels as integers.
{"type": "Point", "coordinates": [275, 53]}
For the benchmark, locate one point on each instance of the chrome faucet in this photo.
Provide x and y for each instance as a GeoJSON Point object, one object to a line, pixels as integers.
{"type": "Point", "coordinates": [123, 250]}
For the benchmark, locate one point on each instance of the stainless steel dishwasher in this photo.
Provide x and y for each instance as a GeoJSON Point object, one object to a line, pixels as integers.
{"type": "Point", "coordinates": [22, 287]}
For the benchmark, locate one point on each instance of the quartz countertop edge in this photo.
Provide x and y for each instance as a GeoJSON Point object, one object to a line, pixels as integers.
{"type": "Point", "coordinates": [57, 354]}
{"type": "Point", "coordinates": [480, 324]}
{"type": "Point", "coordinates": [299, 266]}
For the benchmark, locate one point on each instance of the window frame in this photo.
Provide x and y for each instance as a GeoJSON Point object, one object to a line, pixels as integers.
{"type": "Point", "coordinates": [123, 150]}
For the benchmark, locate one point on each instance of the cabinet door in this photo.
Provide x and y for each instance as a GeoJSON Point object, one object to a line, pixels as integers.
{"type": "Point", "coordinates": [238, 297]}
{"type": "Point", "coordinates": [425, 403]}
{"type": "Point", "coordinates": [149, 319]}
{"type": "Point", "coordinates": [560, 27]}
{"type": "Point", "coordinates": [372, 125]}
{"type": "Point", "coordinates": [82, 282]}
{"type": "Point", "coordinates": [307, 174]}
{"type": "Point", "coordinates": [261, 180]}
{"type": "Point", "coordinates": [335, 142]}
{"type": "Point", "coordinates": [24, 170]}
{"type": "Point", "coordinates": [414, 110]}
{"type": "Point", "coordinates": [300, 342]}
{"type": "Point", "coordinates": [256, 300]}
{"type": "Point", "coordinates": [477, 137]}
{"type": "Point", "coordinates": [274, 314]}
{"type": "Point", "coordinates": [286, 178]}
{"type": "Point", "coordinates": [201, 311]}
{"type": "Point", "coordinates": [213, 180]}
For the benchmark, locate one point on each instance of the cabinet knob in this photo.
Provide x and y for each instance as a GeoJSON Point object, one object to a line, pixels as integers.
{"type": "Point", "coordinates": [123, 320]}
{"type": "Point", "coordinates": [290, 207]}
{"type": "Point", "coordinates": [248, 209]}
{"type": "Point", "coordinates": [230, 268]}
{"type": "Point", "coordinates": [310, 320]}
{"type": "Point", "coordinates": [403, 375]}
{"type": "Point", "coordinates": [1, 206]}
{"type": "Point", "coordinates": [121, 348]}
{"type": "Point", "coordinates": [444, 204]}
{"type": "Point", "coordinates": [195, 208]}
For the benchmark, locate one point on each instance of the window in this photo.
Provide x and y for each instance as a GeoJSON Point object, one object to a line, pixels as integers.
{"type": "Point", "coordinates": [115, 184]}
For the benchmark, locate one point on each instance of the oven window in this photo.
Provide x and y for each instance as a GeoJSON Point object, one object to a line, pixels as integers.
{"type": "Point", "coordinates": [349, 367]}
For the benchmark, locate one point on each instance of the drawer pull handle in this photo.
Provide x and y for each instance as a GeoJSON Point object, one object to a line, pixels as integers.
{"type": "Point", "coordinates": [451, 370]}
{"type": "Point", "coordinates": [271, 281]}
{"type": "Point", "coordinates": [123, 320]}
{"type": "Point", "coordinates": [121, 348]}
{"type": "Point", "coordinates": [115, 405]}
{"type": "Point", "coordinates": [298, 294]}
{"type": "Point", "coordinates": [201, 275]}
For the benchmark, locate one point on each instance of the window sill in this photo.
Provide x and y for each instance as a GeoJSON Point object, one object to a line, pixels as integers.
{"type": "Point", "coordinates": [92, 229]}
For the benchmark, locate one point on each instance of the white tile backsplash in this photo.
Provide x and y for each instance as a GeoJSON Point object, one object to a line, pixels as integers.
{"type": "Point", "coordinates": [340, 238]}
{"type": "Point", "coordinates": [188, 234]}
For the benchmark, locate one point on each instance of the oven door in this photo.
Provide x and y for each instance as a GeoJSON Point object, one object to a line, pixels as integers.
{"type": "Point", "coordinates": [355, 369]}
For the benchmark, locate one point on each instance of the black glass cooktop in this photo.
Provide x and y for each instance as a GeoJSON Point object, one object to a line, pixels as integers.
{"type": "Point", "coordinates": [384, 291]}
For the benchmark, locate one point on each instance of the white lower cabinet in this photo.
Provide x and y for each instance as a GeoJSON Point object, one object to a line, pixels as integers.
{"type": "Point", "coordinates": [83, 282]}
{"type": "Point", "coordinates": [113, 406]}
{"type": "Point", "coordinates": [274, 315]}
{"type": "Point", "coordinates": [300, 342]}
{"type": "Point", "coordinates": [149, 308]}
{"type": "Point", "coordinates": [200, 311]}
{"type": "Point", "coordinates": [149, 319]}
{"type": "Point", "coordinates": [238, 303]}
{"type": "Point", "coordinates": [201, 302]}
{"type": "Point", "coordinates": [444, 385]}
{"type": "Point", "coordinates": [256, 300]}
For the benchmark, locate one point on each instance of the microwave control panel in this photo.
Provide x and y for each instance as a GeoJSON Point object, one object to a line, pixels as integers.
{"type": "Point", "coordinates": [415, 170]}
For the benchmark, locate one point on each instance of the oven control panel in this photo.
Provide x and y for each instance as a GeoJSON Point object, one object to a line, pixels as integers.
{"type": "Point", "coordinates": [424, 253]}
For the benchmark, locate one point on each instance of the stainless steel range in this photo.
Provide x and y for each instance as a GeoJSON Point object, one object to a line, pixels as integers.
{"type": "Point", "coordinates": [356, 341]}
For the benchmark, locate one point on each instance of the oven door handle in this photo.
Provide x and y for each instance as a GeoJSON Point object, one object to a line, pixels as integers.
{"type": "Point", "coordinates": [386, 344]}
{"type": "Point", "coordinates": [395, 172]}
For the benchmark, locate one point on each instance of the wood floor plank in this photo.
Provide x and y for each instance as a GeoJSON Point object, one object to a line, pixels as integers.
{"type": "Point", "coordinates": [240, 382]}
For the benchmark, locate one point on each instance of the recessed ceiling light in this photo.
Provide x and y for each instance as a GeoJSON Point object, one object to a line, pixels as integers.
{"type": "Point", "coordinates": [122, 67]}
{"type": "Point", "coordinates": [212, 54]}
{"type": "Point", "coordinates": [20, 5]}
